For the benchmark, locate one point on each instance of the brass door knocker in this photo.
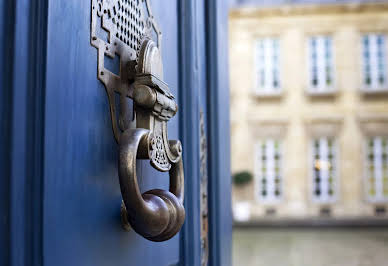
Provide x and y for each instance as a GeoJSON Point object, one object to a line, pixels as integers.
{"type": "Point", "coordinates": [157, 214]}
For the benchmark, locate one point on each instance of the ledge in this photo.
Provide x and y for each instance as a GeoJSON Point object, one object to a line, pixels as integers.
{"type": "Point", "coordinates": [370, 92]}
{"type": "Point", "coordinates": [315, 222]}
{"type": "Point", "coordinates": [307, 9]}
{"type": "Point", "coordinates": [268, 95]}
{"type": "Point", "coordinates": [261, 128]}
{"type": "Point", "coordinates": [322, 94]}
{"type": "Point", "coordinates": [323, 119]}
{"type": "Point", "coordinates": [324, 126]}
{"type": "Point", "coordinates": [373, 124]}
{"type": "Point", "coordinates": [262, 121]}
{"type": "Point", "coordinates": [372, 118]}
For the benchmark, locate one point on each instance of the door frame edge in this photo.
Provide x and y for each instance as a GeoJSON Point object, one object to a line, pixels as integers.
{"type": "Point", "coordinates": [27, 85]}
{"type": "Point", "coordinates": [190, 252]}
{"type": "Point", "coordinates": [220, 211]}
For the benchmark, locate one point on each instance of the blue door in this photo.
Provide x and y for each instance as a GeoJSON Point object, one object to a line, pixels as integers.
{"type": "Point", "coordinates": [61, 202]}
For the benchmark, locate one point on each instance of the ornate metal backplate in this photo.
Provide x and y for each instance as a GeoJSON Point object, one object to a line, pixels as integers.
{"type": "Point", "coordinates": [127, 23]}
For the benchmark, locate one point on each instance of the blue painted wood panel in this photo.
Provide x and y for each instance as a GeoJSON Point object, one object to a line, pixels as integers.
{"type": "Point", "coordinates": [189, 99]}
{"type": "Point", "coordinates": [82, 194]}
{"type": "Point", "coordinates": [6, 40]}
{"type": "Point", "coordinates": [219, 134]}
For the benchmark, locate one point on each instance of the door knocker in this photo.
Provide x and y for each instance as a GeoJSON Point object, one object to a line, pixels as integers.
{"type": "Point", "coordinates": [157, 214]}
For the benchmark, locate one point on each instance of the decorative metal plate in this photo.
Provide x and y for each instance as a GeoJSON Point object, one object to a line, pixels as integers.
{"type": "Point", "coordinates": [126, 23]}
{"type": "Point", "coordinates": [204, 196]}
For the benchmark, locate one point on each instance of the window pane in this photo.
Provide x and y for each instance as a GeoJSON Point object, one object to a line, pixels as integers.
{"type": "Point", "coordinates": [324, 169]}
{"type": "Point", "coordinates": [376, 163]}
{"type": "Point", "coordinates": [321, 63]}
{"type": "Point", "coordinates": [269, 173]}
{"type": "Point", "coordinates": [374, 62]}
{"type": "Point", "coordinates": [267, 65]}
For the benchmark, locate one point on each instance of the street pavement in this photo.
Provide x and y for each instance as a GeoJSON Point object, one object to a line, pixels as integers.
{"type": "Point", "coordinates": [310, 247]}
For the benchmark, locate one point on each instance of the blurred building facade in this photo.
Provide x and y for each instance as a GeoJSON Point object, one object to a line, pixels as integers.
{"type": "Point", "coordinates": [309, 109]}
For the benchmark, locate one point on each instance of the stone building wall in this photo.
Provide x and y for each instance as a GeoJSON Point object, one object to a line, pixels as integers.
{"type": "Point", "coordinates": [296, 116]}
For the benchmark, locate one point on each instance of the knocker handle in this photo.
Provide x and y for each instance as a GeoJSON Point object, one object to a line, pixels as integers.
{"type": "Point", "coordinates": [157, 214]}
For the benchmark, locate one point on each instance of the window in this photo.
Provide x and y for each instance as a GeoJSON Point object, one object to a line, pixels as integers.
{"type": "Point", "coordinates": [267, 66]}
{"type": "Point", "coordinates": [374, 62]}
{"type": "Point", "coordinates": [268, 170]}
{"type": "Point", "coordinates": [324, 168]}
{"type": "Point", "coordinates": [321, 64]}
{"type": "Point", "coordinates": [377, 169]}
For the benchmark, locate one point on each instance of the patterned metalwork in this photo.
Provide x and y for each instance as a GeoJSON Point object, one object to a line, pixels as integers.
{"type": "Point", "coordinates": [204, 188]}
{"type": "Point", "coordinates": [127, 24]}
{"type": "Point", "coordinates": [158, 153]}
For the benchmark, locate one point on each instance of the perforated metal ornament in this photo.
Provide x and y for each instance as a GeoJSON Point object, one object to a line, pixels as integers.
{"type": "Point", "coordinates": [127, 23]}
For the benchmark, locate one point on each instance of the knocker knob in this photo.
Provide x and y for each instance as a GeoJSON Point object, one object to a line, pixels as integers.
{"type": "Point", "coordinates": [144, 96]}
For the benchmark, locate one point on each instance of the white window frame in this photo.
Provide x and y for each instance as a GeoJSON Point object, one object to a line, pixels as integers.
{"type": "Point", "coordinates": [270, 164]}
{"type": "Point", "coordinates": [374, 86]}
{"type": "Point", "coordinates": [326, 199]}
{"type": "Point", "coordinates": [378, 171]}
{"type": "Point", "coordinates": [265, 68]}
{"type": "Point", "coordinates": [321, 88]}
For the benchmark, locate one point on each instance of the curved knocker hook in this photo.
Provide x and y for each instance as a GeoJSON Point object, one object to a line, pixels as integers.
{"type": "Point", "coordinates": [157, 214]}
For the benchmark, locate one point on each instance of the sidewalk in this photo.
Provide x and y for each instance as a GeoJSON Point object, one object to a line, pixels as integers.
{"type": "Point", "coordinates": [310, 247]}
